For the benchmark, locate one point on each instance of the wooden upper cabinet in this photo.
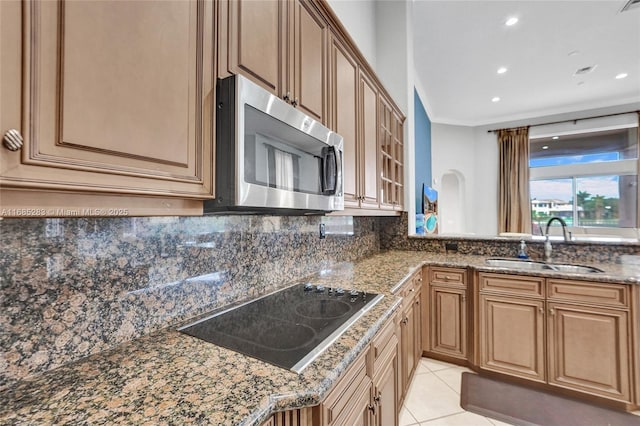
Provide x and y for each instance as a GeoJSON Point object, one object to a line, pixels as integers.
{"type": "Point", "coordinates": [116, 97]}
{"type": "Point", "coordinates": [391, 157]}
{"type": "Point", "coordinates": [369, 142]}
{"type": "Point", "coordinates": [256, 35]}
{"type": "Point", "coordinates": [343, 75]}
{"type": "Point", "coordinates": [281, 45]}
{"type": "Point", "coordinates": [307, 83]}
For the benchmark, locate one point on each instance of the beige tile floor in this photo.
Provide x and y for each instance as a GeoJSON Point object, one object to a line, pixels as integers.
{"type": "Point", "coordinates": [441, 382]}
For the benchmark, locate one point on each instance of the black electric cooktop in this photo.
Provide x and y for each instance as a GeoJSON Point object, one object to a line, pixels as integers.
{"type": "Point", "coordinates": [288, 328]}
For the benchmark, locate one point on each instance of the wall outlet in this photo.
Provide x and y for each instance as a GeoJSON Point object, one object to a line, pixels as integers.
{"type": "Point", "coordinates": [323, 234]}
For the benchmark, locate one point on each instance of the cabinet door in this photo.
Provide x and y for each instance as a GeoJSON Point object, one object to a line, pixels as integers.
{"type": "Point", "coordinates": [361, 411]}
{"type": "Point", "coordinates": [117, 97]}
{"type": "Point", "coordinates": [408, 350]}
{"type": "Point", "coordinates": [511, 336]}
{"type": "Point", "coordinates": [397, 135]}
{"type": "Point", "coordinates": [385, 394]}
{"type": "Point", "coordinates": [448, 330]}
{"type": "Point", "coordinates": [368, 142]}
{"type": "Point", "coordinates": [344, 95]}
{"type": "Point", "coordinates": [256, 38]}
{"type": "Point", "coordinates": [309, 64]}
{"type": "Point", "coordinates": [417, 329]}
{"type": "Point", "coordinates": [589, 350]}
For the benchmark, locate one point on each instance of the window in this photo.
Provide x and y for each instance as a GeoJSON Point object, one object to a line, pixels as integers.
{"type": "Point", "coordinates": [588, 178]}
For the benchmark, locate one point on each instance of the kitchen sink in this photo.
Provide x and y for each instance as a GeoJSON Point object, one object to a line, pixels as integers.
{"type": "Point", "coordinates": [576, 269]}
{"type": "Point", "coordinates": [531, 265]}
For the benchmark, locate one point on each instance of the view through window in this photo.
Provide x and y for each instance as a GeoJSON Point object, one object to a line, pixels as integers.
{"type": "Point", "coordinates": [588, 179]}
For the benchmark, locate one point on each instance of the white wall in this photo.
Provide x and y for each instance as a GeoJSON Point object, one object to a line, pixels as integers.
{"type": "Point", "coordinates": [453, 151]}
{"type": "Point", "coordinates": [359, 18]}
{"type": "Point", "coordinates": [485, 183]}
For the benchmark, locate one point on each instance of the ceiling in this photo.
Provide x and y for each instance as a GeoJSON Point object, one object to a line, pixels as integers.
{"type": "Point", "coordinates": [460, 45]}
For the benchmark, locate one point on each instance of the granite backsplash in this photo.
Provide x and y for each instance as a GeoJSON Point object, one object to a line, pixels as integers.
{"type": "Point", "coordinates": [393, 236]}
{"type": "Point", "coordinates": [73, 287]}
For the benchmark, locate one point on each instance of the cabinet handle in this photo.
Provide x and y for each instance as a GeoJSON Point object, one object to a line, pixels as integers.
{"type": "Point", "coordinates": [447, 277]}
{"type": "Point", "coordinates": [12, 140]}
{"type": "Point", "coordinates": [464, 298]}
{"type": "Point", "coordinates": [541, 309]}
{"type": "Point", "coordinates": [372, 408]}
{"type": "Point", "coordinates": [376, 399]}
{"type": "Point", "coordinates": [294, 102]}
{"type": "Point", "coordinates": [286, 97]}
{"type": "Point", "coordinates": [551, 311]}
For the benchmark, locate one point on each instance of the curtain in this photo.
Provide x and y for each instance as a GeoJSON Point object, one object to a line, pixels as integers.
{"type": "Point", "coordinates": [514, 210]}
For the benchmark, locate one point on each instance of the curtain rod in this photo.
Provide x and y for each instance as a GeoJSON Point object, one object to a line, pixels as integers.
{"type": "Point", "coordinates": [566, 121]}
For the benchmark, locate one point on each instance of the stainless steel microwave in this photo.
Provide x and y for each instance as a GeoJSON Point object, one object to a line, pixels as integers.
{"type": "Point", "coordinates": [271, 157]}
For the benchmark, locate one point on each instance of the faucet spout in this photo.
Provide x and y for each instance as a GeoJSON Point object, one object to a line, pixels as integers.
{"type": "Point", "coordinates": [565, 233]}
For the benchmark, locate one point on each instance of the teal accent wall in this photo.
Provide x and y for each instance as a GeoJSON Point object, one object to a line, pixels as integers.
{"type": "Point", "coordinates": [422, 158]}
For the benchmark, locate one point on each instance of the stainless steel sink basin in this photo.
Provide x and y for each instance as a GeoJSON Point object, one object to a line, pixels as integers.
{"type": "Point", "coordinates": [531, 265]}
{"type": "Point", "coordinates": [576, 269]}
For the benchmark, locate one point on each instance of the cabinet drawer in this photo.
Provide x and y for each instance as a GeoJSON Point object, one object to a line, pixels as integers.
{"type": "Point", "coordinates": [384, 338]}
{"type": "Point", "coordinates": [384, 346]}
{"type": "Point", "coordinates": [512, 284]}
{"type": "Point", "coordinates": [615, 295]}
{"type": "Point", "coordinates": [340, 396]}
{"type": "Point", "coordinates": [448, 276]}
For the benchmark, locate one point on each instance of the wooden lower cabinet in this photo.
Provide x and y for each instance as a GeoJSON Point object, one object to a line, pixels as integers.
{"type": "Point", "coordinates": [410, 331]}
{"type": "Point", "coordinates": [447, 322]}
{"type": "Point", "coordinates": [367, 394]}
{"type": "Point", "coordinates": [511, 336]}
{"type": "Point", "coordinates": [589, 350]}
{"type": "Point", "coordinates": [574, 335]}
{"type": "Point", "coordinates": [385, 392]}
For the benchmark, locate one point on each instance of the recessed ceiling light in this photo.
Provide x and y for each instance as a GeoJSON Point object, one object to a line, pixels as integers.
{"type": "Point", "coordinates": [511, 21]}
{"type": "Point", "coordinates": [495, 99]}
{"type": "Point", "coordinates": [502, 70]}
{"type": "Point", "coordinates": [573, 53]}
{"type": "Point", "coordinates": [555, 138]}
{"type": "Point", "coordinates": [621, 75]}
{"type": "Point", "coordinates": [545, 147]}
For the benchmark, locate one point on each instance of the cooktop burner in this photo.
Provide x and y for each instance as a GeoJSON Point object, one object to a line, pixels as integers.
{"type": "Point", "coordinates": [289, 328]}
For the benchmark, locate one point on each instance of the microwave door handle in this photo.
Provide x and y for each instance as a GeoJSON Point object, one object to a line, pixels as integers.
{"type": "Point", "coordinates": [338, 158]}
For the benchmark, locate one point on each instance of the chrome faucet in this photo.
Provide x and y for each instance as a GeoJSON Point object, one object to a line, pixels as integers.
{"type": "Point", "coordinates": [547, 243]}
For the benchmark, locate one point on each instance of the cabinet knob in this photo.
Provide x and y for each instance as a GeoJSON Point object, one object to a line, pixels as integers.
{"type": "Point", "coordinates": [12, 140]}
{"type": "Point", "coordinates": [294, 102]}
{"type": "Point", "coordinates": [286, 97]}
{"type": "Point", "coordinates": [541, 309]}
{"type": "Point", "coordinates": [376, 399]}
{"type": "Point", "coordinates": [551, 312]}
{"type": "Point", "coordinates": [372, 408]}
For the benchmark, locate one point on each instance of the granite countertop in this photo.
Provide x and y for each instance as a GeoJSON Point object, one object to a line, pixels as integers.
{"type": "Point", "coordinates": [169, 377]}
